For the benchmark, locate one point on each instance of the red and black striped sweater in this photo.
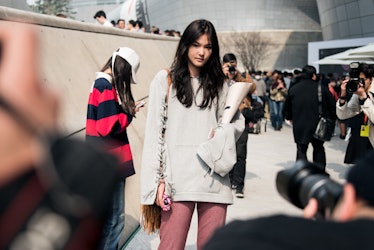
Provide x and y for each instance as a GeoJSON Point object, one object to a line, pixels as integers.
{"type": "Point", "coordinates": [106, 122]}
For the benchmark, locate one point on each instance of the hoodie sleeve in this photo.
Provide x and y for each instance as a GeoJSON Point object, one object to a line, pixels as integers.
{"type": "Point", "coordinates": [150, 158]}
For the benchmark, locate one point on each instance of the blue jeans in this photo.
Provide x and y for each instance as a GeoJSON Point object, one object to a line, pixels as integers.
{"type": "Point", "coordinates": [276, 116]}
{"type": "Point", "coordinates": [115, 221]}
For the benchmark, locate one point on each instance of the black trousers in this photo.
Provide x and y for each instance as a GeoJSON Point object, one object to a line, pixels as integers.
{"type": "Point", "coordinates": [237, 174]}
{"type": "Point", "coordinates": [357, 147]}
{"type": "Point", "coordinates": [319, 155]}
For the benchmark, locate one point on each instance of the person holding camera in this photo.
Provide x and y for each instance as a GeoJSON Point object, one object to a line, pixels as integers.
{"type": "Point", "coordinates": [349, 227]}
{"type": "Point", "coordinates": [237, 174]}
{"type": "Point", "coordinates": [356, 103]}
{"type": "Point", "coordinates": [231, 71]}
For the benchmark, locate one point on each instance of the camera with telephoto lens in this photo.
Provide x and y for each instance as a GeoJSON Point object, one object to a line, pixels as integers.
{"type": "Point", "coordinates": [306, 180]}
{"type": "Point", "coordinates": [354, 81]}
{"type": "Point", "coordinates": [231, 69]}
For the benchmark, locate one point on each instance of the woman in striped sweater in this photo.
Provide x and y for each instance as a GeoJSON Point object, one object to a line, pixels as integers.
{"type": "Point", "coordinates": [111, 108]}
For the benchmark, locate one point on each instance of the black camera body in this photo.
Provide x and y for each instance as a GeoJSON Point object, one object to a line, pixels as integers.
{"type": "Point", "coordinates": [231, 69]}
{"type": "Point", "coordinates": [354, 81]}
{"type": "Point", "coordinates": [306, 180]}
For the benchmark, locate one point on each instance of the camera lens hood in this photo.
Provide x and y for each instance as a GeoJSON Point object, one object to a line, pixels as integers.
{"type": "Point", "coordinates": [289, 181]}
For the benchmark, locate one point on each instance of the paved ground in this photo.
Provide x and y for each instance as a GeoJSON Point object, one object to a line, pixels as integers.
{"type": "Point", "coordinates": [268, 153]}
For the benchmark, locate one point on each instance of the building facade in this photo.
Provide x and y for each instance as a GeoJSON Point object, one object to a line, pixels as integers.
{"type": "Point", "coordinates": [289, 24]}
{"type": "Point", "coordinates": [346, 19]}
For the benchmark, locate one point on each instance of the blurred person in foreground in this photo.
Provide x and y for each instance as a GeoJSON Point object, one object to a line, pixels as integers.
{"type": "Point", "coordinates": [350, 226]}
{"type": "Point", "coordinates": [48, 193]}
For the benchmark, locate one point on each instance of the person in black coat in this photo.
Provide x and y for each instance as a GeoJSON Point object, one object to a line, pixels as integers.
{"type": "Point", "coordinates": [301, 108]}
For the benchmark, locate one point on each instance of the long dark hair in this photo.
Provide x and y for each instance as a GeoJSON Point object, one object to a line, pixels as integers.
{"type": "Point", "coordinates": [211, 75]}
{"type": "Point", "coordinates": [122, 82]}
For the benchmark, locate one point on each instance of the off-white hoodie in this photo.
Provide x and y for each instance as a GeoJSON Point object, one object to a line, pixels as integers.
{"type": "Point", "coordinates": [186, 129]}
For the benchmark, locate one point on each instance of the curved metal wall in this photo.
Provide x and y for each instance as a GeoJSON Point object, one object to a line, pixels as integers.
{"type": "Point", "coordinates": [237, 15]}
{"type": "Point", "coordinates": [346, 19]}
{"type": "Point", "coordinates": [290, 24]}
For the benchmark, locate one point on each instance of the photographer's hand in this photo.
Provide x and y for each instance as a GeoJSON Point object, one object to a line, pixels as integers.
{"type": "Point", "coordinates": [343, 92]}
{"type": "Point", "coordinates": [343, 88]}
{"type": "Point", "coordinates": [225, 69]}
{"type": "Point", "coordinates": [310, 210]}
{"type": "Point", "coordinates": [361, 92]}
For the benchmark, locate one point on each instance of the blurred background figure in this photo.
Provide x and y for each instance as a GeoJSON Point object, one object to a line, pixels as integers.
{"type": "Point", "coordinates": [100, 17]}
{"type": "Point", "coordinates": [131, 25]}
{"type": "Point", "coordinates": [139, 26]}
{"type": "Point", "coordinates": [278, 94]}
{"type": "Point", "coordinates": [121, 24]}
{"type": "Point", "coordinates": [260, 87]}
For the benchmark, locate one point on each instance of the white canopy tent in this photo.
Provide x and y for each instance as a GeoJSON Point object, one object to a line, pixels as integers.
{"type": "Point", "coordinates": [367, 50]}
{"type": "Point", "coordinates": [335, 59]}
{"type": "Point", "coordinates": [363, 54]}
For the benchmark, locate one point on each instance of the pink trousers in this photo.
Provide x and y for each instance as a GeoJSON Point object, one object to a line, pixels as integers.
{"type": "Point", "coordinates": [176, 223]}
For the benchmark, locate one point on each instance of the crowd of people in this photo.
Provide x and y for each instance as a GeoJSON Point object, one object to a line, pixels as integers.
{"type": "Point", "coordinates": [280, 94]}
{"type": "Point", "coordinates": [187, 106]}
{"type": "Point", "coordinates": [132, 25]}
{"type": "Point", "coordinates": [307, 96]}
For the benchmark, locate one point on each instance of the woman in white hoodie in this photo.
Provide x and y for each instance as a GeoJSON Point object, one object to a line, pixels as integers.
{"type": "Point", "coordinates": [195, 105]}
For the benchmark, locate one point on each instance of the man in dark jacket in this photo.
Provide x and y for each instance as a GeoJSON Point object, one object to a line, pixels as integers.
{"type": "Point", "coordinates": [351, 225]}
{"type": "Point", "coordinates": [301, 108]}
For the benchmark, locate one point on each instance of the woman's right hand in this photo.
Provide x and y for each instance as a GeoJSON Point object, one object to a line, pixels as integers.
{"type": "Point", "coordinates": [160, 192]}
